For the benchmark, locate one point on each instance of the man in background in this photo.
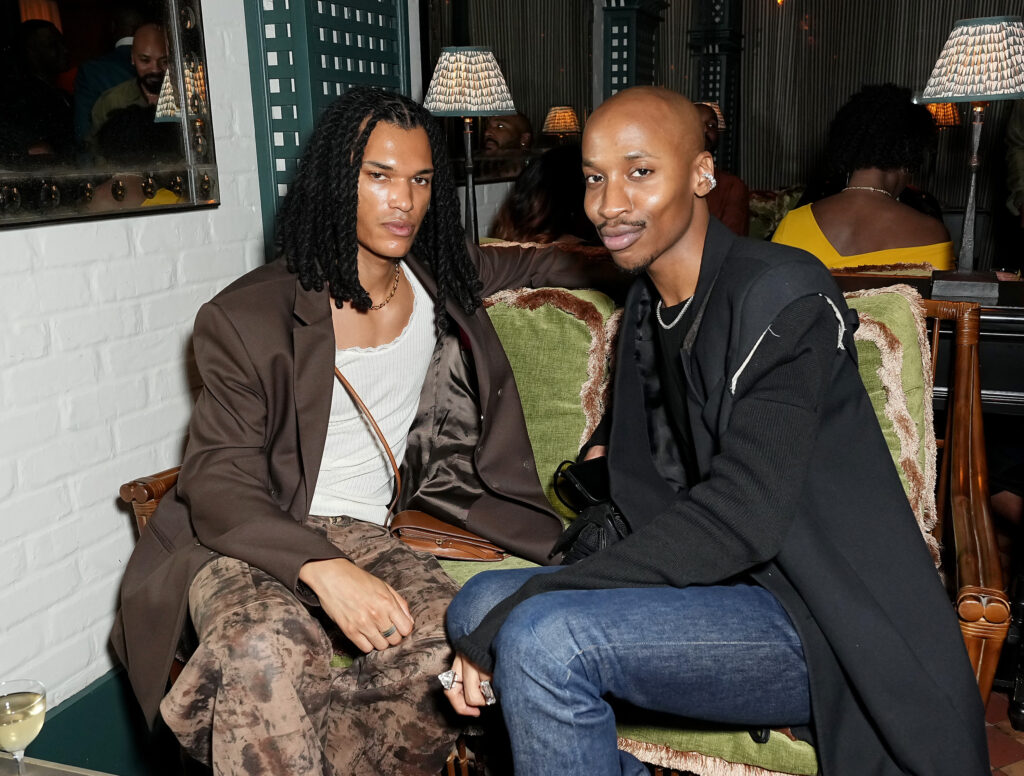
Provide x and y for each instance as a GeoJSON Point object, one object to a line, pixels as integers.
{"type": "Point", "coordinates": [506, 145]}
{"type": "Point", "coordinates": [115, 67]}
{"type": "Point", "coordinates": [149, 59]}
{"type": "Point", "coordinates": [507, 133]}
{"type": "Point", "coordinates": [729, 201]}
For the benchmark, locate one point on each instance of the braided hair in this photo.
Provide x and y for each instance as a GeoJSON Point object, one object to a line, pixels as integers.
{"type": "Point", "coordinates": [316, 226]}
{"type": "Point", "coordinates": [881, 127]}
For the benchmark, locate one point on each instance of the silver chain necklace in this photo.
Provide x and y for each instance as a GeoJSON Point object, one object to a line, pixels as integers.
{"type": "Point", "coordinates": [667, 326]}
{"type": "Point", "coordinates": [868, 188]}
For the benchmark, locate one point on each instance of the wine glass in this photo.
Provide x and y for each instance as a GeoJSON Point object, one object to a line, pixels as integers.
{"type": "Point", "coordinates": [22, 709]}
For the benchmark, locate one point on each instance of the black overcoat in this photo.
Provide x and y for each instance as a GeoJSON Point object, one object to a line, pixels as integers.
{"type": "Point", "coordinates": [892, 690]}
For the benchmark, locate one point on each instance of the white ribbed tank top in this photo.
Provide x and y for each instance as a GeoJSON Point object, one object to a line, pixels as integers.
{"type": "Point", "coordinates": [355, 476]}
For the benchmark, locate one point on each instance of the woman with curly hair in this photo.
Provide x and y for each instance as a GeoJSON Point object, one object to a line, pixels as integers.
{"type": "Point", "coordinates": [273, 550]}
{"type": "Point", "coordinates": [877, 142]}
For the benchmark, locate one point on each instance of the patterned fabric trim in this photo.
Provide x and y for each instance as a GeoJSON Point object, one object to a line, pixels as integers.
{"type": "Point", "coordinates": [923, 268]}
{"type": "Point", "coordinates": [692, 762]}
{"type": "Point", "coordinates": [921, 480]}
{"type": "Point", "coordinates": [594, 391]}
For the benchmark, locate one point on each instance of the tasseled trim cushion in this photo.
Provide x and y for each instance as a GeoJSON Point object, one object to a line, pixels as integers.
{"type": "Point", "coordinates": [917, 457]}
{"type": "Point", "coordinates": [692, 762]}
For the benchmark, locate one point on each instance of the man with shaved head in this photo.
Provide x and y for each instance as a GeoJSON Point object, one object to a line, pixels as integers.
{"type": "Point", "coordinates": [775, 575]}
{"type": "Point", "coordinates": [149, 58]}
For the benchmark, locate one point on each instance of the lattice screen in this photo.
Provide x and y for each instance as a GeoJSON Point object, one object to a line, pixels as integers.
{"type": "Point", "coordinates": [303, 54]}
{"type": "Point", "coordinates": [630, 42]}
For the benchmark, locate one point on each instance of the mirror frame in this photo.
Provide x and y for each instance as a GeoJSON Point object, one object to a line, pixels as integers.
{"type": "Point", "coordinates": [41, 196]}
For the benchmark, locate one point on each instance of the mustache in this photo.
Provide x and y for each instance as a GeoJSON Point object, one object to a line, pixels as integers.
{"type": "Point", "coordinates": [619, 222]}
{"type": "Point", "coordinates": [152, 83]}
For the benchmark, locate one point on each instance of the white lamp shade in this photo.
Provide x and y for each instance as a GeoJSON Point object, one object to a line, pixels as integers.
{"type": "Point", "coordinates": [468, 82]}
{"type": "Point", "coordinates": [983, 60]}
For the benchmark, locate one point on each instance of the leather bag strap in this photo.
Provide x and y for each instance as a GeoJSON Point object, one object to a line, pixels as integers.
{"type": "Point", "coordinates": [380, 434]}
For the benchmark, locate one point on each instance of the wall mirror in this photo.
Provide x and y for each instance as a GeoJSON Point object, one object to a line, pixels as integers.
{"type": "Point", "coordinates": [104, 109]}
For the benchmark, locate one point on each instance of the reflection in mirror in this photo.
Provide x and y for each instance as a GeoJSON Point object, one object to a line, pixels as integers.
{"type": "Point", "coordinates": [104, 109]}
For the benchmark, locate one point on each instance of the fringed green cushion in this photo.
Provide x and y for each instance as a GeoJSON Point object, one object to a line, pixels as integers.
{"type": "Point", "coordinates": [895, 364]}
{"type": "Point", "coordinates": [718, 752]}
{"type": "Point", "coordinates": [558, 344]}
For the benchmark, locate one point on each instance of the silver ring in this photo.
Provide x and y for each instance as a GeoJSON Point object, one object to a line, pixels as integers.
{"type": "Point", "coordinates": [487, 692]}
{"type": "Point", "coordinates": [389, 631]}
{"type": "Point", "coordinates": [448, 678]}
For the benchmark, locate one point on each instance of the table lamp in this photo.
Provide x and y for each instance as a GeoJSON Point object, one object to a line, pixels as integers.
{"type": "Point", "coordinates": [983, 60]}
{"type": "Point", "coordinates": [561, 120]}
{"type": "Point", "coordinates": [467, 82]}
{"type": "Point", "coordinates": [945, 114]}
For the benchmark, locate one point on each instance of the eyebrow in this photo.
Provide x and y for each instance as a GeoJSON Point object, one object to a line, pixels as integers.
{"type": "Point", "coordinates": [389, 168]}
{"type": "Point", "coordinates": [631, 156]}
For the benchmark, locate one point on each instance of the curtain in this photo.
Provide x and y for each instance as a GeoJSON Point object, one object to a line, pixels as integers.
{"type": "Point", "coordinates": [46, 10]}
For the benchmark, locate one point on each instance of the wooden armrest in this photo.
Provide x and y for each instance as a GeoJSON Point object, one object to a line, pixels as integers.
{"type": "Point", "coordinates": [144, 494]}
{"type": "Point", "coordinates": [981, 603]}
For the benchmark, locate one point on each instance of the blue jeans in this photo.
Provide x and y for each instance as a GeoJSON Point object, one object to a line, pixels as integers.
{"type": "Point", "coordinates": [726, 654]}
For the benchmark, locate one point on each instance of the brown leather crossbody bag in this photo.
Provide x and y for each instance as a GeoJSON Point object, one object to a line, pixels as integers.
{"type": "Point", "coordinates": [420, 531]}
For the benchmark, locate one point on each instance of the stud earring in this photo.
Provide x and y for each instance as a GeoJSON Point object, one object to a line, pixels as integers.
{"type": "Point", "coordinates": [710, 179]}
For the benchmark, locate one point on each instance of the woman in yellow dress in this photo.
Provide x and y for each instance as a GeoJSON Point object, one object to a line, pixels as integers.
{"type": "Point", "coordinates": [879, 139]}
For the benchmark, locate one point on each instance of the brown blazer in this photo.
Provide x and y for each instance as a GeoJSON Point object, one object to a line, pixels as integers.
{"type": "Point", "coordinates": [265, 351]}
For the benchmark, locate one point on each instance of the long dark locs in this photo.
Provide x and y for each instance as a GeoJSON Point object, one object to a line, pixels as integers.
{"type": "Point", "coordinates": [316, 226]}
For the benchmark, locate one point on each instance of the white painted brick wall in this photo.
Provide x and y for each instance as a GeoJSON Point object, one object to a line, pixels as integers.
{"type": "Point", "coordinates": [94, 385]}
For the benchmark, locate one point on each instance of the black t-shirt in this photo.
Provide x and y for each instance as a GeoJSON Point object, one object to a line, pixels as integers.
{"type": "Point", "coordinates": [678, 319]}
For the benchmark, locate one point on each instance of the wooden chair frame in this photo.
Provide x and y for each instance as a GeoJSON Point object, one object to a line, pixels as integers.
{"type": "Point", "coordinates": [976, 580]}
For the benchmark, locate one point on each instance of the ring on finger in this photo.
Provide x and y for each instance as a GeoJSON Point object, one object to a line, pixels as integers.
{"type": "Point", "coordinates": [449, 678]}
{"type": "Point", "coordinates": [389, 631]}
{"type": "Point", "coordinates": [488, 692]}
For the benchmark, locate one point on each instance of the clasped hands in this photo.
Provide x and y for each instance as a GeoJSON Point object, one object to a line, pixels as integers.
{"type": "Point", "coordinates": [467, 687]}
{"type": "Point", "coordinates": [370, 613]}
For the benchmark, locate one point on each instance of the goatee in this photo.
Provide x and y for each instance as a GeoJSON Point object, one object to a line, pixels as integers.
{"type": "Point", "coordinates": [150, 84]}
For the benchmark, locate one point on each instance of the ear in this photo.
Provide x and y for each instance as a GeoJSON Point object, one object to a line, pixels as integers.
{"type": "Point", "coordinates": [525, 139]}
{"type": "Point", "coordinates": [703, 167]}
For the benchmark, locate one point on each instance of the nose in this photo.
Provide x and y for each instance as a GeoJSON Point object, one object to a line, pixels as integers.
{"type": "Point", "coordinates": [613, 200]}
{"type": "Point", "coordinates": [401, 197]}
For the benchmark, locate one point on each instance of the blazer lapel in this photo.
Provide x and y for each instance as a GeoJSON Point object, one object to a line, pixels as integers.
{"type": "Point", "coordinates": [463, 321]}
{"type": "Point", "coordinates": [313, 350]}
{"type": "Point", "coordinates": [717, 243]}
{"type": "Point", "coordinates": [498, 444]}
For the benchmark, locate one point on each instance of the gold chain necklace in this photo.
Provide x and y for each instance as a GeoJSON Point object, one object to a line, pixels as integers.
{"type": "Point", "coordinates": [870, 188]}
{"type": "Point", "coordinates": [391, 293]}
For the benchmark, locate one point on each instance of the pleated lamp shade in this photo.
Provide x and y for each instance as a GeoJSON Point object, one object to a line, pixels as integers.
{"type": "Point", "coordinates": [468, 82]}
{"type": "Point", "coordinates": [561, 120]}
{"type": "Point", "coordinates": [983, 60]}
{"type": "Point", "coordinates": [167, 103]}
{"type": "Point", "coordinates": [944, 113]}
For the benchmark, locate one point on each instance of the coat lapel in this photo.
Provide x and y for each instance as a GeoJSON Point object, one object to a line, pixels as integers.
{"type": "Point", "coordinates": [499, 444]}
{"type": "Point", "coordinates": [313, 343]}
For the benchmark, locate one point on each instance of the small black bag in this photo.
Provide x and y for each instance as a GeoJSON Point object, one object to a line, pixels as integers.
{"type": "Point", "coordinates": [583, 487]}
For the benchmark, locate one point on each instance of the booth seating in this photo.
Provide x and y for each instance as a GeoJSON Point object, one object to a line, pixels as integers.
{"type": "Point", "coordinates": [560, 345]}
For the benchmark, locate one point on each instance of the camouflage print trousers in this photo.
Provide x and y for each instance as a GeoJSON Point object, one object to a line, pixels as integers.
{"type": "Point", "coordinates": [260, 696]}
